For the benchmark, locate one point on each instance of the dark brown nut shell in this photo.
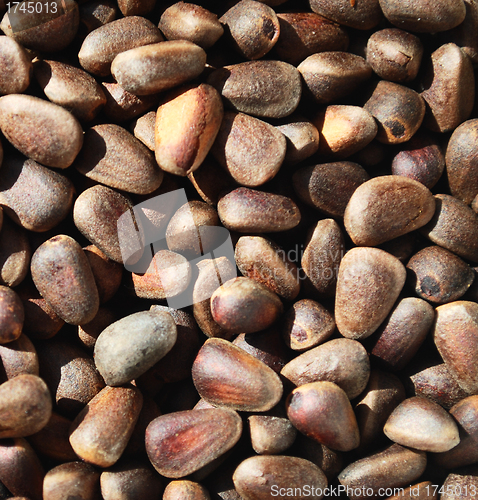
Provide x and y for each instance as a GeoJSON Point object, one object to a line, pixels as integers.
{"type": "Point", "coordinates": [106, 272]}
{"type": "Point", "coordinates": [185, 490]}
{"type": "Point", "coordinates": [464, 480]}
{"type": "Point", "coordinates": [271, 434]}
{"type": "Point", "coordinates": [465, 413]}
{"type": "Point", "coordinates": [112, 156]}
{"type": "Point", "coordinates": [188, 21]}
{"type": "Point", "coordinates": [97, 13]}
{"type": "Point", "coordinates": [329, 186]}
{"type": "Point", "coordinates": [11, 315]}
{"type": "Point", "coordinates": [464, 34]}
{"type": "Point", "coordinates": [89, 332]}
{"type": "Point", "coordinates": [461, 168]}
{"type": "Point", "coordinates": [307, 324]}
{"type": "Point", "coordinates": [398, 110]}
{"type": "Point", "coordinates": [15, 67]}
{"type": "Point", "coordinates": [19, 357]}
{"type": "Point", "coordinates": [96, 212]}
{"type": "Point", "coordinates": [136, 7]}
{"type": "Point", "coordinates": [423, 425]}
{"type": "Point", "coordinates": [386, 207]}
{"type": "Point", "coordinates": [122, 105]}
{"type": "Point", "coordinates": [21, 471]}
{"type": "Point", "coordinates": [341, 361]}
{"type": "Point", "coordinates": [41, 130]}
{"type": "Point", "coordinates": [143, 128]}
{"type": "Point", "coordinates": [262, 260]}
{"type": "Point", "coordinates": [438, 275]}
{"type": "Point", "coordinates": [329, 76]}
{"type": "Point", "coordinates": [25, 406]}
{"type": "Point", "coordinates": [250, 211]}
{"type": "Point", "coordinates": [132, 345]}
{"type": "Point", "coordinates": [421, 159]}
{"type": "Point", "coordinates": [168, 275]}
{"type": "Point", "coordinates": [156, 67]}
{"type": "Point", "coordinates": [383, 393]}
{"type": "Point", "coordinates": [369, 282]}
{"type": "Point", "coordinates": [62, 274]}
{"type": "Point", "coordinates": [229, 377]}
{"type": "Point", "coordinates": [344, 130]}
{"type": "Point", "coordinates": [181, 443]}
{"type": "Point", "coordinates": [103, 44]}
{"type": "Point", "coordinates": [393, 467]}
{"type": "Point", "coordinates": [363, 16]}
{"type": "Point", "coordinates": [399, 337]}
{"type": "Point", "coordinates": [101, 431]}
{"type": "Point", "coordinates": [43, 31]}
{"type": "Point", "coordinates": [251, 150]}
{"type": "Point", "coordinates": [70, 87]}
{"type": "Point", "coordinates": [275, 94]}
{"type": "Point", "coordinates": [47, 204]}
{"type": "Point", "coordinates": [15, 253]}
{"type": "Point", "coordinates": [423, 17]}
{"type": "Point", "coordinates": [187, 124]}
{"type": "Point", "coordinates": [52, 441]}
{"type": "Point", "coordinates": [448, 78]}
{"type": "Point", "coordinates": [302, 138]}
{"type": "Point", "coordinates": [243, 305]}
{"type": "Point", "coordinates": [323, 252]}
{"type": "Point", "coordinates": [70, 374]}
{"type": "Point", "coordinates": [394, 54]}
{"type": "Point", "coordinates": [454, 226]}
{"type": "Point", "coordinates": [131, 479]}
{"type": "Point", "coordinates": [71, 479]}
{"type": "Point", "coordinates": [253, 27]}
{"type": "Point", "coordinates": [456, 338]}
{"type": "Point", "coordinates": [305, 33]}
{"type": "Point", "coordinates": [253, 477]}
{"type": "Point", "coordinates": [322, 411]}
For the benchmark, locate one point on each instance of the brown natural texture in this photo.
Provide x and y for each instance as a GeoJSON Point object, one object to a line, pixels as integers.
{"type": "Point", "coordinates": [398, 110]}
{"type": "Point", "coordinates": [41, 130]}
{"type": "Point", "coordinates": [368, 285]}
{"type": "Point", "coordinates": [307, 324]}
{"type": "Point", "coordinates": [305, 33]}
{"type": "Point", "coordinates": [302, 138]}
{"type": "Point", "coordinates": [185, 490]}
{"type": "Point", "coordinates": [100, 432]}
{"type": "Point", "coordinates": [423, 425]}
{"type": "Point", "coordinates": [112, 156]}
{"type": "Point", "coordinates": [103, 44]}
{"type": "Point", "coordinates": [188, 21]}
{"type": "Point", "coordinates": [136, 7]}
{"type": "Point", "coordinates": [454, 226]}
{"type": "Point", "coordinates": [18, 357]}
{"type": "Point", "coordinates": [393, 467]}
{"type": "Point", "coordinates": [328, 76]}
{"type": "Point", "coordinates": [71, 479]}
{"type": "Point", "coordinates": [253, 27]}
{"type": "Point", "coordinates": [448, 88]}
{"type": "Point", "coordinates": [70, 87]}
{"type": "Point", "coordinates": [322, 411]}
{"type": "Point", "coordinates": [15, 67]}
{"type": "Point", "coordinates": [275, 94]}
{"type": "Point", "coordinates": [156, 67]}
{"type": "Point", "coordinates": [181, 443]}
{"type": "Point", "coordinates": [143, 128]}
{"type": "Point", "coordinates": [247, 210]}
{"type": "Point", "coordinates": [361, 15]}
{"type": "Point", "coordinates": [25, 406]}
{"type": "Point", "coordinates": [229, 377]}
{"type": "Point", "coordinates": [254, 476]}
{"type": "Point", "coordinates": [271, 434]}
{"type": "Point", "coordinates": [329, 186]}
{"type": "Point", "coordinates": [44, 31]}
{"type": "Point", "coordinates": [386, 207]}
{"type": "Point", "coordinates": [132, 345]}
{"type": "Point", "coordinates": [249, 149]}
{"type": "Point", "coordinates": [11, 315]}
{"type": "Point", "coordinates": [461, 166]}
{"type": "Point", "coordinates": [383, 393]}
{"type": "Point", "coordinates": [243, 305]}
{"type": "Point", "coordinates": [187, 124]}
{"type": "Point", "coordinates": [341, 361]}
{"type": "Point", "coordinates": [97, 13]}
{"type": "Point", "coordinates": [15, 253]}
{"type": "Point", "coordinates": [264, 261]}
{"type": "Point", "coordinates": [62, 274]}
